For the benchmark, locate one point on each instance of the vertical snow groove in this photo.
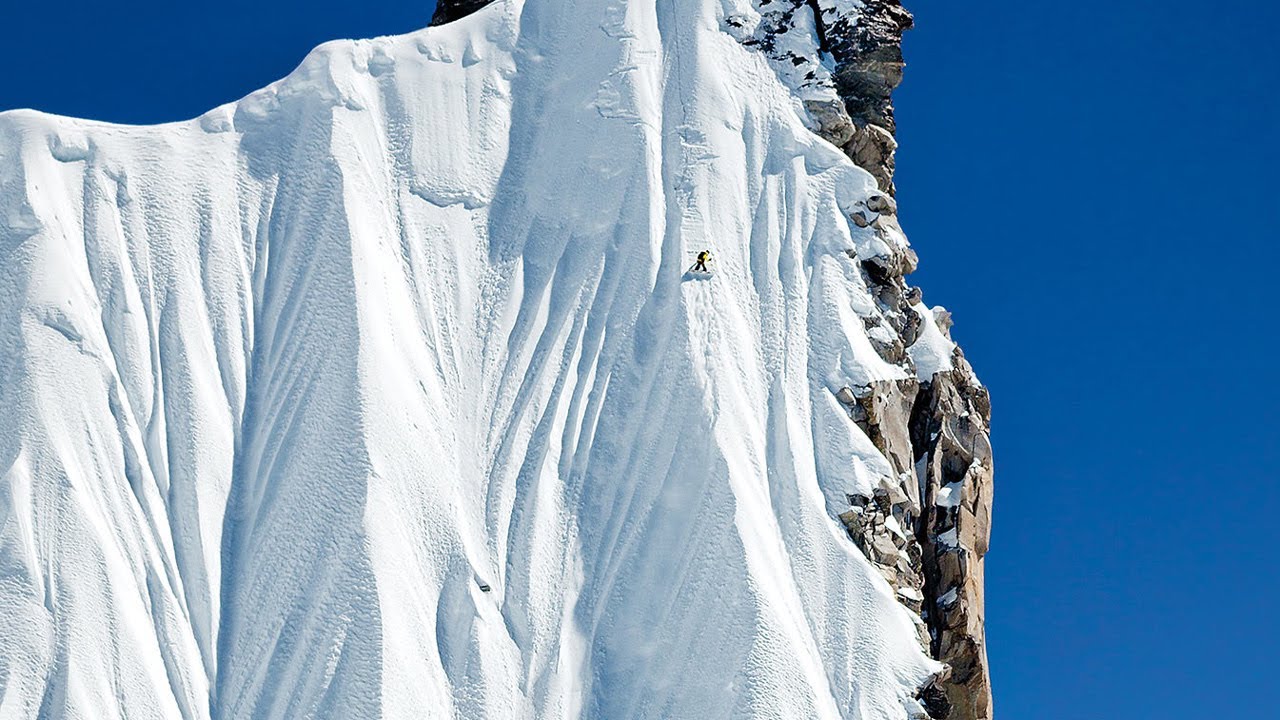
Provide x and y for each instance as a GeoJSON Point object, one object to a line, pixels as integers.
{"type": "Point", "coordinates": [297, 577]}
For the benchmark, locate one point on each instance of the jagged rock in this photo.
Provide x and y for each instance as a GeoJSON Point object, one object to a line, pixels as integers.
{"type": "Point", "coordinates": [926, 535]}
{"type": "Point", "coordinates": [848, 91]}
{"type": "Point", "coordinates": [882, 204]}
{"type": "Point", "coordinates": [867, 51]}
{"type": "Point", "coordinates": [949, 431]}
{"type": "Point", "coordinates": [942, 317]}
{"type": "Point", "coordinates": [938, 429]}
{"type": "Point", "coordinates": [450, 10]}
{"type": "Point", "coordinates": [910, 330]}
{"type": "Point", "coordinates": [934, 699]}
{"type": "Point", "coordinates": [893, 351]}
{"type": "Point", "coordinates": [872, 148]}
{"type": "Point", "coordinates": [834, 123]}
{"type": "Point", "coordinates": [883, 410]}
{"type": "Point", "coordinates": [889, 231]}
{"type": "Point", "coordinates": [948, 437]}
{"type": "Point", "coordinates": [910, 261]}
{"type": "Point", "coordinates": [846, 396]}
{"type": "Point", "coordinates": [885, 269]}
{"type": "Point", "coordinates": [886, 553]}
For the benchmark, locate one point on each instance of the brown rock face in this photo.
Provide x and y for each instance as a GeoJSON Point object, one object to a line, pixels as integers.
{"type": "Point", "coordinates": [948, 513]}
{"type": "Point", "coordinates": [949, 431]}
{"type": "Point", "coordinates": [927, 529]}
{"type": "Point", "coordinates": [872, 147]}
{"type": "Point", "coordinates": [867, 50]}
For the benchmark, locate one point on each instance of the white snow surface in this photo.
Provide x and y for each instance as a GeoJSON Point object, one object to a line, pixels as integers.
{"type": "Point", "coordinates": [931, 352]}
{"type": "Point", "coordinates": [282, 385]}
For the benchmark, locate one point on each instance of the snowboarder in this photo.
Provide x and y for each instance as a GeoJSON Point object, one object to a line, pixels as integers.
{"type": "Point", "coordinates": [701, 265]}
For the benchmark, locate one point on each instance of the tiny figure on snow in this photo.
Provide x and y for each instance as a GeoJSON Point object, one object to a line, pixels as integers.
{"type": "Point", "coordinates": [701, 265]}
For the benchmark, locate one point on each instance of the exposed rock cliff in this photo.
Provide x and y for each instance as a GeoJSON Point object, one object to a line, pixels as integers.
{"type": "Point", "coordinates": [928, 531]}
{"type": "Point", "coordinates": [450, 10]}
{"type": "Point", "coordinates": [847, 95]}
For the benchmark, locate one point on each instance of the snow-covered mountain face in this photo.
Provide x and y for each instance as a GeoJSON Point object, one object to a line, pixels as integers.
{"type": "Point", "coordinates": [384, 392]}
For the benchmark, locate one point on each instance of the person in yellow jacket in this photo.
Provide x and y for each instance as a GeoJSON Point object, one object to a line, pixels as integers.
{"type": "Point", "coordinates": [701, 265]}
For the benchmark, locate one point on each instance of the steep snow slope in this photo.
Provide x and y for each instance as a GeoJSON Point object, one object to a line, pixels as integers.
{"type": "Point", "coordinates": [284, 385]}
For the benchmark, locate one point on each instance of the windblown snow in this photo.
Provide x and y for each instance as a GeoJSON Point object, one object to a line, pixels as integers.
{"type": "Point", "coordinates": [281, 388]}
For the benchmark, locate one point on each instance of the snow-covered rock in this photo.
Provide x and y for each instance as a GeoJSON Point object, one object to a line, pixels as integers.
{"type": "Point", "coordinates": [382, 393]}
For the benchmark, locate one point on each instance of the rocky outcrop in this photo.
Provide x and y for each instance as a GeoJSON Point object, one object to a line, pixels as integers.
{"type": "Point", "coordinates": [848, 96]}
{"type": "Point", "coordinates": [883, 524]}
{"type": "Point", "coordinates": [450, 10]}
{"type": "Point", "coordinates": [949, 429]}
{"type": "Point", "coordinates": [867, 52]}
{"type": "Point", "coordinates": [926, 529]}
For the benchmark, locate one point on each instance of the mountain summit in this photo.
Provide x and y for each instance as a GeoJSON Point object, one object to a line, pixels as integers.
{"type": "Point", "coordinates": [388, 391]}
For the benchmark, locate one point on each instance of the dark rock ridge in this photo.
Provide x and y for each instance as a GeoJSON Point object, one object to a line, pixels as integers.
{"type": "Point", "coordinates": [850, 103]}
{"type": "Point", "coordinates": [449, 10]}
{"type": "Point", "coordinates": [867, 51]}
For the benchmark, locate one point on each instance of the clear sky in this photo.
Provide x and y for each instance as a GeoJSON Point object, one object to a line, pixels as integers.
{"type": "Point", "coordinates": [1092, 189]}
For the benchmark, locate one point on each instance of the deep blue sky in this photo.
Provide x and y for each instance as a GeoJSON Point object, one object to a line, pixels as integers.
{"type": "Point", "coordinates": [1117, 299]}
{"type": "Point", "coordinates": [1092, 188]}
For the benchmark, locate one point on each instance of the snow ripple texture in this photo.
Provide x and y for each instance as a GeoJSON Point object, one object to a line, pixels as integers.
{"type": "Point", "coordinates": [285, 384]}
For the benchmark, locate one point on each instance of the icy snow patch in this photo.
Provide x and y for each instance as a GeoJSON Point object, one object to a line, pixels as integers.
{"type": "Point", "coordinates": [949, 495]}
{"type": "Point", "coordinates": [932, 351]}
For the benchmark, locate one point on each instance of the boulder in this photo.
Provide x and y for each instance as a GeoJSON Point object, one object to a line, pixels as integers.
{"type": "Point", "coordinates": [872, 147]}
{"type": "Point", "coordinates": [863, 218]}
{"type": "Point", "coordinates": [882, 204]}
{"type": "Point", "coordinates": [832, 120]}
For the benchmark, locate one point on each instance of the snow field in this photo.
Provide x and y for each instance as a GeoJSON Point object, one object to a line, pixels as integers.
{"type": "Point", "coordinates": [284, 384]}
